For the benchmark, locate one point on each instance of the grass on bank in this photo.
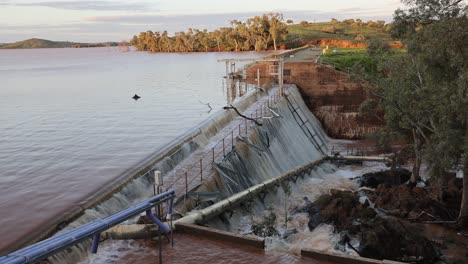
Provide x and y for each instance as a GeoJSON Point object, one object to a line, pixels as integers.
{"type": "Point", "coordinates": [339, 31]}
{"type": "Point", "coordinates": [346, 58]}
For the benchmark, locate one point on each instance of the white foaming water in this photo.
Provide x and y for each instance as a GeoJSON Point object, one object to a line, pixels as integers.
{"type": "Point", "coordinates": [322, 178]}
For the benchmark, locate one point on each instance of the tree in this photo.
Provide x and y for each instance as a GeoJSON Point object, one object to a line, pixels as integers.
{"type": "Point", "coordinates": [289, 21]}
{"type": "Point", "coordinates": [349, 22]}
{"type": "Point", "coordinates": [277, 28]}
{"type": "Point", "coordinates": [218, 36]}
{"type": "Point", "coordinates": [259, 35]}
{"type": "Point", "coordinates": [359, 22]}
{"type": "Point", "coordinates": [134, 41]}
{"type": "Point", "coordinates": [425, 92]}
{"type": "Point", "coordinates": [360, 37]}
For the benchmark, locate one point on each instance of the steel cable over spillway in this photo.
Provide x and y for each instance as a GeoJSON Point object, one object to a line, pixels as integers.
{"type": "Point", "coordinates": [50, 246]}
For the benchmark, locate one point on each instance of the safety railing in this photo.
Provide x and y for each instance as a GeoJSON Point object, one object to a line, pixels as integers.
{"type": "Point", "coordinates": [303, 123]}
{"type": "Point", "coordinates": [203, 167]}
{"type": "Point", "coordinates": [93, 229]}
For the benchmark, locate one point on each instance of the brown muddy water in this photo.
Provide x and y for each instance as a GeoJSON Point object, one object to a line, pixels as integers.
{"type": "Point", "coordinates": [456, 246]}
{"type": "Point", "coordinates": [194, 249]}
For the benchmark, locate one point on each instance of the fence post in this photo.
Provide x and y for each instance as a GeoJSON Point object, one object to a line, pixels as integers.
{"type": "Point", "coordinates": [186, 183]}
{"type": "Point", "coordinates": [232, 139]}
{"type": "Point", "coordinates": [246, 132]}
{"type": "Point", "coordinates": [201, 169]}
{"type": "Point", "coordinates": [213, 154]}
{"type": "Point", "coordinates": [224, 153]}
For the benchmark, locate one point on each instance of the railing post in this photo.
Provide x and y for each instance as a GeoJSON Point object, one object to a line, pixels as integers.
{"type": "Point", "coordinates": [224, 153]}
{"type": "Point", "coordinates": [213, 154]}
{"type": "Point", "coordinates": [232, 139]}
{"type": "Point", "coordinates": [246, 127]}
{"type": "Point", "coordinates": [201, 169]}
{"type": "Point", "coordinates": [186, 183]}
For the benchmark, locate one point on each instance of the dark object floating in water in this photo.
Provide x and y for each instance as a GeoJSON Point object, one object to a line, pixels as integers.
{"type": "Point", "coordinates": [136, 97]}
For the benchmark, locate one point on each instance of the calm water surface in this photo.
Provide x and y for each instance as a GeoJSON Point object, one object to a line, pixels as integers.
{"type": "Point", "coordinates": [68, 124]}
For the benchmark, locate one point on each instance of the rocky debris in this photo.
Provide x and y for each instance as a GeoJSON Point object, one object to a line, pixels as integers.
{"type": "Point", "coordinates": [380, 237]}
{"type": "Point", "coordinates": [374, 179]}
{"type": "Point", "coordinates": [338, 208]}
{"type": "Point", "coordinates": [302, 208]}
{"type": "Point", "coordinates": [414, 203]}
{"type": "Point", "coordinates": [392, 238]}
{"type": "Point", "coordinates": [266, 228]}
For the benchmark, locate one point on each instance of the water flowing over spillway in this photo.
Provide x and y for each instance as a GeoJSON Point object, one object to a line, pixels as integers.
{"type": "Point", "coordinates": [292, 205]}
{"type": "Point", "coordinates": [289, 136]}
{"type": "Point", "coordinates": [277, 146]}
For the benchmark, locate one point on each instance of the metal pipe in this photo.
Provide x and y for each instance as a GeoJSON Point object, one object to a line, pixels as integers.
{"type": "Point", "coordinates": [361, 158]}
{"type": "Point", "coordinates": [156, 221]}
{"type": "Point", "coordinates": [50, 246]}
{"type": "Point", "coordinates": [169, 218]}
{"type": "Point", "coordinates": [205, 214]}
{"type": "Point", "coordinates": [95, 245]}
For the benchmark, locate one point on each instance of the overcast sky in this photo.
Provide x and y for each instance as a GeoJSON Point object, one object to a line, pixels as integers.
{"type": "Point", "coordinates": [104, 20]}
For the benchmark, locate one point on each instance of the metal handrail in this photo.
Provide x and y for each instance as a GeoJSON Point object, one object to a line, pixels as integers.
{"type": "Point", "coordinates": [50, 246]}
{"type": "Point", "coordinates": [308, 134]}
{"type": "Point", "coordinates": [197, 169]}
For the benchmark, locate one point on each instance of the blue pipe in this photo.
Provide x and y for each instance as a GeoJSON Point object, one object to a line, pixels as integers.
{"type": "Point", "coordinates": [95, 245]}
{"type": "Point", "coordinates": [155, 220]}
{"type": "Point", "coordinates": [48, 247]}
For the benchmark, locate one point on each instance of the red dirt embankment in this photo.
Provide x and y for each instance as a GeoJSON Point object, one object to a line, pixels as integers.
{"type": "Point", "coordinates": [331, 95]}
{"type": "Point", "coordinates": [339, 43]}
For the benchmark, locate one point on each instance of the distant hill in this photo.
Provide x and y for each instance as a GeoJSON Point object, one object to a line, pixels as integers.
{"type": "Point", "coordinates": [35, 43]}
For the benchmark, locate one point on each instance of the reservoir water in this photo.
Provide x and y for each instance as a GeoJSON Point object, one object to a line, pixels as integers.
{"type": "Point", "coordinates": [68, 124]}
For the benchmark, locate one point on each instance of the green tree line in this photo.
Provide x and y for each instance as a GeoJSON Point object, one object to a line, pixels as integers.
{"type": "Point", "coordinates": [256, 33]}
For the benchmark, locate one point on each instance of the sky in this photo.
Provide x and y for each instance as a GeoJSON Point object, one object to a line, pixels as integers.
{"type": "Point", "coordinates": [105, 20]}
